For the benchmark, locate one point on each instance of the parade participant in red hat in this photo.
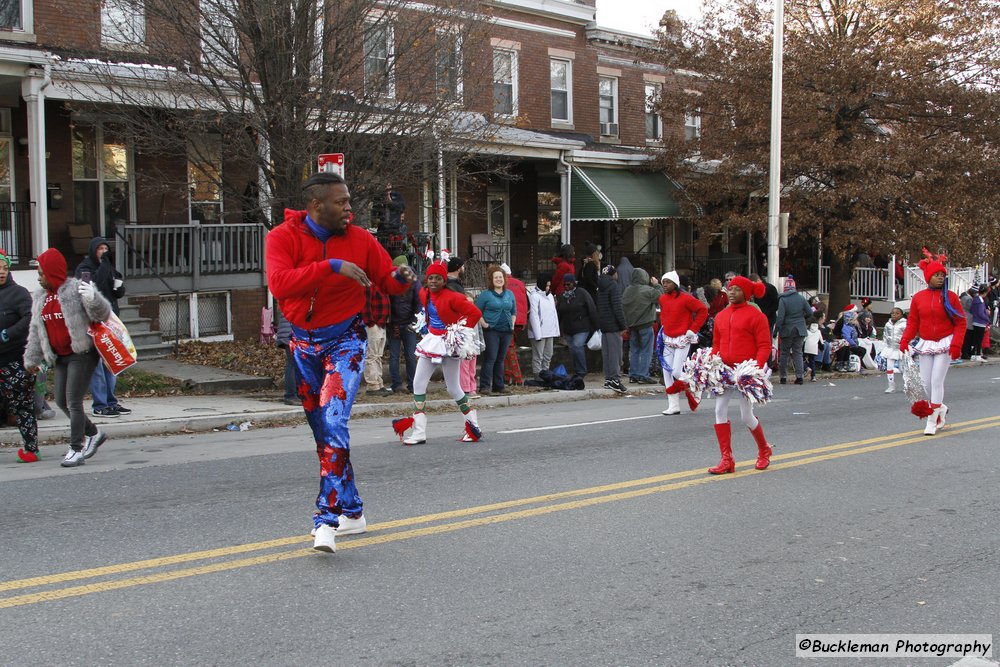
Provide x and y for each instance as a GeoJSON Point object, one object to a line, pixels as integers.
{"type": "Point", "coordinates": [937, 317]}
{"type": "Point", "coordinates": [61, 315]}
{"type": "Point", "coordinates": [741, 333]}
{"type": "Point", "coordinates": [318, 266]}
{"type": "Point", "coordinates": [449, 338]}
{"type": "Point", "coordinates": [681, 317]}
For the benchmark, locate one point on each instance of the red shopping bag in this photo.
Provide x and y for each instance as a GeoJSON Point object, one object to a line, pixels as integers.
{"type": "Point", "coordinates": [113, 343]}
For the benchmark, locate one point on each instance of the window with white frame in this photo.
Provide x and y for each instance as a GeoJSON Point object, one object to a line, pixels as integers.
{"type": "Point", "coordinates": [205, 178]}
{"type": "Point", "coordinates": [102, 176]}
{"type": "Point", "coordinates": [448, 72]}
{"type": "Point", "coordinates": [378, 45]}
{"type": "Point", "coordinates": [219, 40]}
{"type": "Point", "coordinates": [654, 124]}
{"type": "Point", "coordinates": [11, 17]}
{"type": "Point", "coordinates": [692, 125]}
{"type": "Point", "coordinates": [607, 90]}
{"type": "Point", "coordinates": [123, 24]}
{"type": "Point", "coordinates": [561, 89]}
{"type": "Point", "coordinates": [504, 82]}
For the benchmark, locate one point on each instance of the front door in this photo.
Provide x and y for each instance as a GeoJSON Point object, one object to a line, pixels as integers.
{"type": "Point", "coordinates": [499, 222]}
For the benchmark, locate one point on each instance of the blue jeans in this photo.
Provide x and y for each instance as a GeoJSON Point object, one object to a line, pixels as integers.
{"type": "Point", "coordinates": [102, 387]}
{"type": "Point", "coordinates": [407, 344]}
{"type": "Point", "coordinates": [577, 344]}
{"type": "Point", "coordinates": [497, 343]}
{"type": "Point", "coordinates": [640, 351]}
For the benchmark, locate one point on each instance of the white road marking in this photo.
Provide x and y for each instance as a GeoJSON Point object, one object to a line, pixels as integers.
{"type": "Point", "coordinates": [577, 425]}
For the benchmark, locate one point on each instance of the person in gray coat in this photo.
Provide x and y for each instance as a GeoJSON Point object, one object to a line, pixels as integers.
{"type": "Point", "coordinates": [639, 302]}
{"type": "Point", "coordinates": [790, 327]}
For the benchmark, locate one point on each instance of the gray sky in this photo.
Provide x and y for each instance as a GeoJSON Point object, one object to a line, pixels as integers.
{"type": "Point", "coordinates": [638, 15]}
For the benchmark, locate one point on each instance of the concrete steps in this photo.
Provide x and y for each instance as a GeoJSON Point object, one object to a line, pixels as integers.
{"type": "Point", "coordinates": [148, 343]}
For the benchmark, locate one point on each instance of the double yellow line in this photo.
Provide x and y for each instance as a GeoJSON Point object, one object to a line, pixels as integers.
{"type": "Point", "coordinates": [442, 522]}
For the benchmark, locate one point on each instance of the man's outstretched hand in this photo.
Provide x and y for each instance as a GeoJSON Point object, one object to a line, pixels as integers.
{"type": "Point", "coordinates": [354, 272]}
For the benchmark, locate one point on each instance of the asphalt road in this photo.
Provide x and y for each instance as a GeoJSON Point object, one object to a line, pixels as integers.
{"type": "Point", "coordinates": [585, 533]}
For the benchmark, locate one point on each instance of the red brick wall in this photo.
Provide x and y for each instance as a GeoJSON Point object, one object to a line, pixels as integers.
{"type": "Point", "coordinates": [246, 306]}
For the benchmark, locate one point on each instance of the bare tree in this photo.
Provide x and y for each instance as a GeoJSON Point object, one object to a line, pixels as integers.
{"type": "Point", "coordinates": [890, 130]}
{"type": "Point", "coordinates": [276, 82]}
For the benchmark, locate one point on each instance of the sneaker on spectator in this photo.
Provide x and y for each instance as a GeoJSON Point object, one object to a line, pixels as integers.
{"type": "Point", "coordinates": [616, 386]}
{"type": "Point", "coordinates": [107, 412]}
{"type": "Point", "coordinates": [73, 458]}
{"type": "Point", "coordinates": [121, 409]}
{"type": "Point", "coordinates": [92, 442]}
{"type": "Point", "coordinates": [47, 413]}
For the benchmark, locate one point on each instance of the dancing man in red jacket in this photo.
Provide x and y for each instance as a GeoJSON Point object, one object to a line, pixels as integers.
{"type": "Point", "coordinates": [741, 333]}
{"type": "Point", "coordinates": [318, 266]}
{"type": "Point", "coordinates": [937, 317]}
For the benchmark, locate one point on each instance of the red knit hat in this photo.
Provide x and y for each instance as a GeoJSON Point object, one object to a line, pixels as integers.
{"type": "Point", "coordinates": [931, 264]}
{"type": "Point", "coordinates": [53, 266]}
{"type": "Point", "coordinates": [437, 269]}
{"type": "Point", "coordinates": [749, 288]}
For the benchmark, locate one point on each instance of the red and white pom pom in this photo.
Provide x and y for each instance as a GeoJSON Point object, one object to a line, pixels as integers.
{"type": "Point", "coordinates": [921, 409]}
{"type": "Point", "coordinates": [706, 372]}
{"type": "Point", "coordinates": [753, 382]}
{"type": "Point", "coordinates": [677, 387]}
{"type": "Point", "coordinates": [472, 432]}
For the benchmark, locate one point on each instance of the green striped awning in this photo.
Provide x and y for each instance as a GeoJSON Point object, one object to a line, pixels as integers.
{"type": "Point", "coordinates": [621, 194]}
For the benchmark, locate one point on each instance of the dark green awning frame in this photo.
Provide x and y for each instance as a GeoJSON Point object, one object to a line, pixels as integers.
{"type": "Point", "coordinates": [621, 194]}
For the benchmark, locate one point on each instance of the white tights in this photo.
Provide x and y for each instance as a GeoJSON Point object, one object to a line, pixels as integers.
{"type": "Point", "coordinates": [933, 371]}
{"type": "Point", "coordinates": [746, 410]}
{"type": "Point", "coordinates": [450, 367]}
{"type": "Point", "coordinates": [676, 358]}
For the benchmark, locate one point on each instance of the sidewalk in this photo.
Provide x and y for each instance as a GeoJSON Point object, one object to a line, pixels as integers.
{"type": "Point", "coordinates": [185, 413]}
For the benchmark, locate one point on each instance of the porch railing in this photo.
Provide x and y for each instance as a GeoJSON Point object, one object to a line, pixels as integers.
{"type": "Point", "coordinates": [15, 231]}
{"type": "Point", "coordinates": [881, 284]}
{"type": "Point", "coordinates": [524, 257]}
{"type": "Point", "coordinates": [191, 250]}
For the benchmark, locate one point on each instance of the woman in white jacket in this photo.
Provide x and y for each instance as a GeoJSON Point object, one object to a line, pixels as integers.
{"type": "Point", "coordinates": [892, 333]}
{"type": "Point", "coordinates": [543, 323]}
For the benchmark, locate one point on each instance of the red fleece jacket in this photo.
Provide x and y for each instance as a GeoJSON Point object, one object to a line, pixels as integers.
{"type": "Point", "coordinates": [741, 333]}
{"type": "Point", "coordinates": [451, 307]}
{"type": "Point", "coordinates": [680, 312]}
{"type": "Point", "coordinates": [520, 301]}
{"type": "Point", "coordinates": [929, 320]}
{"type": "Point", "coordinates": [298, 271]}
{"type": "Point", "coordinates": [562, 268]}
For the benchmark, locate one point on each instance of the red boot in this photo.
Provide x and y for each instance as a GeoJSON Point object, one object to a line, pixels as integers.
{"type": "Point", "coordinates": [724, 433]}
{"type": "Point", "coordinates": [763, 449]}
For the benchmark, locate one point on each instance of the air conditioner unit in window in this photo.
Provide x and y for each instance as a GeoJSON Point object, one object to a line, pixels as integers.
{"type": "Point", "coordinates": [609, 129]}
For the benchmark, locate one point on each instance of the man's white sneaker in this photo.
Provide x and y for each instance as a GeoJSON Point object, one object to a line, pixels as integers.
{"type": "Point", "coordinates": [352, 526]}
{"type": "Point", "coordinates": [92, 442]}
{"type": "Point", "coordinates": [72, 459]}
{"type": "Point", "coordinates": [326, 539]}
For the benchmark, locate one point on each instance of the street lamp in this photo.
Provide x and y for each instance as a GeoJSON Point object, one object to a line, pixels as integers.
{"type": "Point", "coordinates": [774, 201]}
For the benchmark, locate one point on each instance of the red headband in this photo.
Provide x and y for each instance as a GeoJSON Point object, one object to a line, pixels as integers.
{"type": "Point", "coordinates": [437, 269]}
{"type": "Point", "coordinates": [931, 264]}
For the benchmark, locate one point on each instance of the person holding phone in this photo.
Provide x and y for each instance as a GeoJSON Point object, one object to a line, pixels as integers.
{"type": "Point", "coordinates": [97, 269]}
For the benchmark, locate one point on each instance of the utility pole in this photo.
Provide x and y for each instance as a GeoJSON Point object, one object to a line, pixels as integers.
{"type": "Point", "coordinates": [774, 200]}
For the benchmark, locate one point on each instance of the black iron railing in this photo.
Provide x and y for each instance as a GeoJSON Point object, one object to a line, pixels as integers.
{"type": "Point", "coordinates": [15, 231]}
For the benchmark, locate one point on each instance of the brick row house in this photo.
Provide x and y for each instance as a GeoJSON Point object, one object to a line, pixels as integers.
{"type": "Point", "coordinates": [568, 149]}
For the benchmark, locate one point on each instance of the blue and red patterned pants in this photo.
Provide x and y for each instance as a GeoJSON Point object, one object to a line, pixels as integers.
{"type": "Point", "coordinates": [329, 363]}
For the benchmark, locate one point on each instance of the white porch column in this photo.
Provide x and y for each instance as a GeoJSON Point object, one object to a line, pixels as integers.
{"type": "Point", "coordinates": [565, 171]}
{"type": "Point", "coordinates": [33, 91]}
{"type": "Point", "coordinates": [442, 220]}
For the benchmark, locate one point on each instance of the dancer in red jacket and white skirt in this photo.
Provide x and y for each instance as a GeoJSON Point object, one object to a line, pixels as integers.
{"type": "Point", "coordinates": [449, 340]}
{"type": "Point", "coordinates": [681, 317]}
{"type": "Point", "coordinates": [741, 334]}
{"type": "Point", "coordinates": [937, 317]}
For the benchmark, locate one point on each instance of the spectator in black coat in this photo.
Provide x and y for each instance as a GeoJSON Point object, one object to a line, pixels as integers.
{"type": "Point", "coordinates": [611, 319]}
{"type": "Point", "coordinates": [402, 338]}
{"type": "Point", "coordinates": [97, 268]}
{"type": "Point", "coordinates": [577, 321]}
{"type": "Point", "coordinates": [768, 303]}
